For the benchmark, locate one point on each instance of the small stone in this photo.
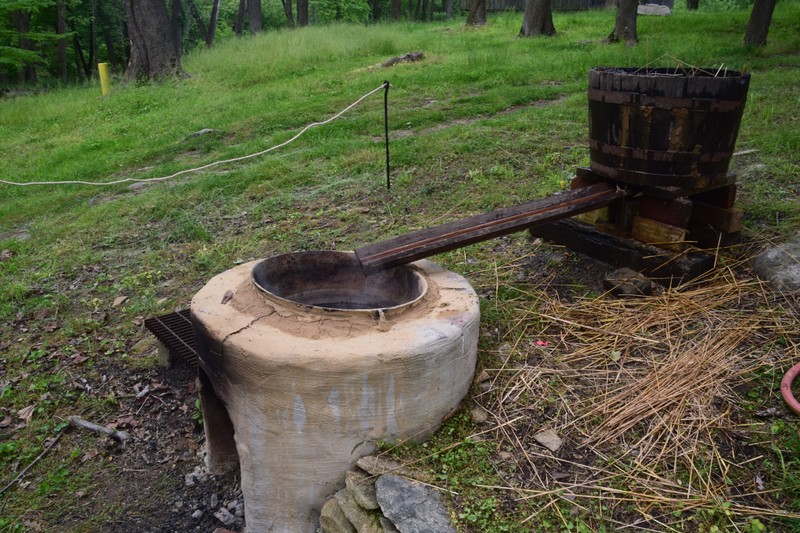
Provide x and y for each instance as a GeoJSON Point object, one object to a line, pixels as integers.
{"type": "Point", "coordinates": [412, 507]}
{"type": "Point", "coordinates": [505, 456]}
{"type": "Point", "coordinates": [479, 414]}
{"type": "Point", "coordinates": [224, 516]}
{"type": "Point", "coordinates": [197, 514]}
{"type": "Point", "coordinates": [549, 439]}
{"type": "Point", "coordinates": [213, 501]}
{"type": "Point", "coordinates": [627, 282]}
{"type": "Point", "coordinates": [333, 520]}
{"type": "Point", "coordinates": [363, 521]}
{"type": "Point", "coordinates": [231, 505]}
{"type": "Point", "coordinates": [362, 489]}
{"type": "Point", "coordinates": [483, 376]}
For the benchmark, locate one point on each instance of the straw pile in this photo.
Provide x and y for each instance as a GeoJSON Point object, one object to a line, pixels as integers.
{"type": "Point", "coordinates": [646, 395]}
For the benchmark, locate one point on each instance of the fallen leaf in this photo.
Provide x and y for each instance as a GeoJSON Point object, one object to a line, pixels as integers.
{"type": "Point", "coordinates": [759, 481]}
{"type": "Point", "coordinates": [26, 413]}
{"type": "Point", "coordinates": [4, 423]}
{"type": "Point", "coordinates": [615, 355]}
{"type": "Point", "coordinates": [227, 297]}
{"type": "Point", "coordinates": [119, 300]}
{"type": "Point", "coordinates": [541, 343]}
{"type": "Point", "coordinates": [5, 255]}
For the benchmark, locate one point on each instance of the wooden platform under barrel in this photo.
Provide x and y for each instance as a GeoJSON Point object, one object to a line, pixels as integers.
{"type": "Point", "coordinates": [668, 134]}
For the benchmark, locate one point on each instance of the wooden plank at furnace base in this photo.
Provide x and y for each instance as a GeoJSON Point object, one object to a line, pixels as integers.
{"type": "Point", "coordinates": [704, 236]}
{"type": "Point", "coordinates": [431, 241]}
{"type": "Point", "coordinates": [658, 233]}
{"type": "Point", "coordinates": [726, 220]}
{"type": "Point", "coordinates": [675, 212]}
{"type": "Point", "coordinates": [664, 266]}
{"type": "Point", "coordinates": [723, 197]}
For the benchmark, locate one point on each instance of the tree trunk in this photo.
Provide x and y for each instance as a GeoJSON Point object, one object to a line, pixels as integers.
{"type": "Point", "coordinates": [212, 24]}
{"type": "Point", "coordinates": [430, 14]}
{"type": "Point", "coordinates": [625, 23]}
{"type": "Point", "coordinates": [238, 27]}
{"type": "Point", "coordinates": [177, 25]}
{"type": "Point", "coordinates": [61, 29]}
{"type": "Point", "coordinates": [84, 70]}
{"type": "Point", "coordinates": [538, 18]}
{"type": "Point", "coordinates": [107, 22]}
{"type": "Point", "coordinates": [448, 9]}
{"type": "Point", "coordinates": [302, 12]}
{"type": "Point", "coordinates": [153, 51]}
{"type": "Point", "coordinates": [287, 10]}
{"type": "Point", "coordinates": [254, 10]}
{"type": "Point", "coordinates": [760, 20]}
{"type": "Point", "coordinates": [94, 46]}
{"type": "Point", "coordinates": [21, 20]}
{"type": "Point", "coordinates": [394, 12]}
{"type": "Point", "coordinates": [424, 10]}
{"type": "Point", "coordinates": [692, 5]}
{"type": "Point", "coordinates": [201, 26]}
{"type": "Point", "coordinates": [477, 13]}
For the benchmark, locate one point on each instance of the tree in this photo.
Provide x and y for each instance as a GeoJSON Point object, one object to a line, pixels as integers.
{"type": "Point", "coordinates": [302, 12]}
{"type": "Point", "coordinates": [287, 10]}
{"type": "Point", "coordinates": [538, 18]}
{"type": "Point", "coordinates": [154, 54]}
{"type": "Point", "coordinates": [625, 23]}
{"type": "Point", "coordinates": [760, 20]}
{"type": "Point", "coordinates": [477, 13]}
{"type": "Point", "coordinates": [212, 24]}
{"type": "Point", "coordinates": [692, 4]}
{"type": "Point", "coordinates": [254, 12]}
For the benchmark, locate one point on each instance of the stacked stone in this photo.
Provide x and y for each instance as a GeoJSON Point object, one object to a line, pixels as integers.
{"type": "Point", "coordinates": [377, 499]}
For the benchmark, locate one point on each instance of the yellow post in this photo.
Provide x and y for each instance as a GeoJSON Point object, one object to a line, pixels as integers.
{"type": "Point", "coordinates": [105, 80]}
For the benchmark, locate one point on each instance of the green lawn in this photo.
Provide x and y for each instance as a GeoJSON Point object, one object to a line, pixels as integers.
{"type": "Point", "coordinates": [485, 120]}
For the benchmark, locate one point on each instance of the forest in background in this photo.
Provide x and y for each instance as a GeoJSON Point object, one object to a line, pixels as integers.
{"type": "Point", "coordinates": [55, 42]}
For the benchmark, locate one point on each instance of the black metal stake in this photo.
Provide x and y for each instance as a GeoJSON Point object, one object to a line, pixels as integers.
{"type": "Point", "coordinates": [386, 130]}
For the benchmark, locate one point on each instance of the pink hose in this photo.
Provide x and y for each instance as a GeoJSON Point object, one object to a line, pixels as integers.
{"type": "Point", "coordinates": [786, 388]}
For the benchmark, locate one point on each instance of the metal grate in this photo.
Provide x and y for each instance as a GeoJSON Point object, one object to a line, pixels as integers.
{"type": "Point", "coordinates": [175, 332]}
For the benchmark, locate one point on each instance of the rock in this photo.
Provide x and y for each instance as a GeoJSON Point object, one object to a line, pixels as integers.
{"type": "Point", "coordinates": [549, 439]}
{"type": "Point", "coordinates": [213, 501]}
{"type": "Point", "coordinates": [412, 507]}
{"type": "Point", "coordinates": [204, 131]}
{"type": "Point", "coordinates": [479, 414]}
{"type": "Point", "coordinates": [654, 9]}
{"type": "Point", "coordinates": [378, 466]}
{"type": "Point", "coordinates": [197, 514]}
{"type": "Point", "coordinates": [362, 489]}
{"type": "Point", "coordinates": [483, 376]}
{"type": "Point", "coordinates": [224, 516]}
{"type": "Point", "coordinates": [627, 282]}
{"type": "Point", "coordinates": [780, 265]}
{"type": "Point", "coordinates": [333, 520]}
{"type": "Point", "coordinates": [362, 520]}
{"type": "Point", "coordinates": [388, 526]}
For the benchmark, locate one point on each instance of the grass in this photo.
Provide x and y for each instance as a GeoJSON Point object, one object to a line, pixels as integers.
{"type": "Point", "coordinates": [486, 120]}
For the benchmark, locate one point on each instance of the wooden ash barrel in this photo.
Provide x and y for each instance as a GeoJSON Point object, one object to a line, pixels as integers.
{"type": "Point", "coordinates": [664, 126]}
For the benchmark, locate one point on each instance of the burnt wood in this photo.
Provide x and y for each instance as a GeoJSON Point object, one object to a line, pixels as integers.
{"type": "Point", "coordinates": [431, 241]}
{"type": "Point", "coordinates": [664, 266]}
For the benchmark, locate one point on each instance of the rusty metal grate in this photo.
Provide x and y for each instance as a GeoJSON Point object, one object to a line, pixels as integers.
{"type": "Point", "coordinates": [175, 332]}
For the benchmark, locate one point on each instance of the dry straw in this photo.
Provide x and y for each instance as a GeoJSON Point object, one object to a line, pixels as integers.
{"type": "Point", "coordinates": [644, 393]}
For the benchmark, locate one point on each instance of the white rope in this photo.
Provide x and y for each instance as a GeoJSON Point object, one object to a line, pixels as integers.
{"type": "Point", "coordinates": [209, 165]}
